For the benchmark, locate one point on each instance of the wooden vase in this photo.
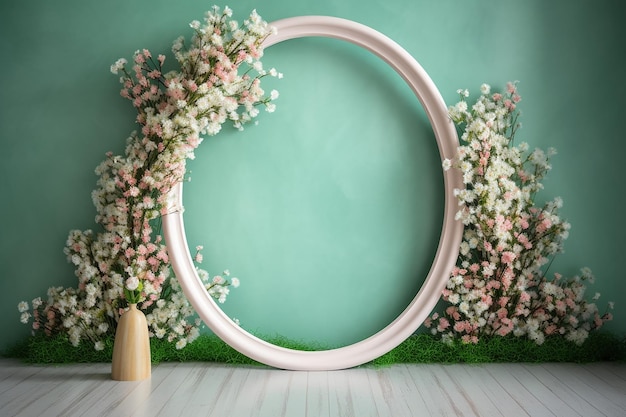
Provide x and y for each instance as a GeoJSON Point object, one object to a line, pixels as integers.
{"type": "Point", "coordinates": [131, 350]}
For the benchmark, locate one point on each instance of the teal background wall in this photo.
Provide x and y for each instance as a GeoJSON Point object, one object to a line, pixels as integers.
{"type": "Point", "coordinates": [329, 210]}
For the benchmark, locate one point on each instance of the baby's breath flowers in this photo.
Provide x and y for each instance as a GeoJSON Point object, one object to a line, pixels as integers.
{"type": "Point", "coordinates": [500, 284]}
{"type": "Point", "coordinates": [127, 262]}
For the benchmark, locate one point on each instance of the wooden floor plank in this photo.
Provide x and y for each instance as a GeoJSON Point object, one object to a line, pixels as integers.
{"type": "Point", "coordinates": [10, 369]}
{"type": "Point", "coordinates": [219, 390]}
{"type": "Point", "coordinates": [90, 393]}
{"type": "Point", "coordinates": [340, 398]}
{"type": "Point", "coordinates": [551, 402]}
{"type": "Point", "coordinates": [609, 371]}
{"type": "Point", "coordinates": [502, 402]}
{"type": "Point", "coordinates": [465, 402]}
{"type": "Point", "coordinates": [162, 393]}
{"type": "Point", "coordinates": [280, 394]}
{"type": "Point", "coordinates": [556, 384]}
{"type": "Point", "coordinates": [228, 398]}
{"type": "Point", "coordinates": [516, 388]}
{"type": "Point", "coordinates": [600, 396]}
{"type": "Point", "coordinates": [263, 396]}
{"type": "Point", "coordinates": [296, 401]}
{"type": "Point", "coordinates": [618, 369]}
{"type": "Point", "coordinates": [15, 375]}
{"type": "Point", "coordinates": [395, 393]}
{"type": "Point", "coordinates": [462, 380]}
{"type": "Point", "coordinates": [352, 392]}
{"type": "Point", "coordinates": [438, 398]}
{"type": "Point", "coordinates": [199, 395]}
{"type": "Point", "coordinates": [614, 393]}
{"type": "Point", "coordinates": [132, 397]}
{"type": "Point", "coordinates": [39, 390]}
{"type": "Point", "coordinates": [178, 395]}
{"type": "Point", "coordinates": [317, 395]}
{"type": "Point", "coordinates": [76, 385]}
{"type": "Point", "coordinates": [241, 394]}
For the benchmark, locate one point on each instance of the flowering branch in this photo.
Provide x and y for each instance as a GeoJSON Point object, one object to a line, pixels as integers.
{"type": "Point", "coordinates": [128, 263]}
{"type": "Point", "coordinates": [500, 285]}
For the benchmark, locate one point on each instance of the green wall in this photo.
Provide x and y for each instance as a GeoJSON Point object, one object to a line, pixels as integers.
{"type": "Point", "coordinates": [329, 209]}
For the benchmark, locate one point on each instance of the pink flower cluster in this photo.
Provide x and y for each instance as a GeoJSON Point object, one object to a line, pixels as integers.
{"type": "Point", "coordinates": [127, 262]}
{"type": "Point", "coordinates": [500, 285]}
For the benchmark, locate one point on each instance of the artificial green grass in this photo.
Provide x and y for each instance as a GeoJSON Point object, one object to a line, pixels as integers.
{"type": "Point", "coordinates": [426, 349]}
{"type": "Point", "coordinates": [420, 348]}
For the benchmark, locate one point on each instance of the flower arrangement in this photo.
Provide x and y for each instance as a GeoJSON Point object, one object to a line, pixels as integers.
{"type": "Point", "coordinates": [500, 284]}
{"type": "Point", "coordinates": [127, 263]}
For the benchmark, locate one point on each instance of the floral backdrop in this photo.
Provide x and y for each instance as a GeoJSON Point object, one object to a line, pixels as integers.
{"type": "Point", "coordinates": [55, 129]}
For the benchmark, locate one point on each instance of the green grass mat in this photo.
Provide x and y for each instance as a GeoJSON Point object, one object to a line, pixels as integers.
{"type": "Point", "coordinates": [420, 348]}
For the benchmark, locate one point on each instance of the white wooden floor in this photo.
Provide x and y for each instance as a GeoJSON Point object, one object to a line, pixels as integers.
{"type": "Point", "coordinates": [208, 389]}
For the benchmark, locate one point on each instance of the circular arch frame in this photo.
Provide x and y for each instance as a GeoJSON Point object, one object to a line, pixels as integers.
{"type": "Point", "coordinates": [447, 251]}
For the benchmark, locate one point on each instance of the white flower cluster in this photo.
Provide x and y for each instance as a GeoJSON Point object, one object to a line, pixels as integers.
{"type": "Point", "coordinates": [127, 263]}
{"type": "Point", "coordinates": [499, 286]}
{"type": "Point", "coordinates": [218, 287]}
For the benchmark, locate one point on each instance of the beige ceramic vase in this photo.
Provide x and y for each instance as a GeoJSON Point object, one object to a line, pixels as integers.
{"type": "Point", "coordinates": [131, 351]}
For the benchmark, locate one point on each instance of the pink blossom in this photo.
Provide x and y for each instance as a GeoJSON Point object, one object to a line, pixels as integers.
{"type": "Point", "coordinates": [550, 329]}
{"type": "Point", "coordinates": [460, 326]}
{"type": "Point", "coordinates": [524, 297]}
{"type": "Point", "coordinates": [162, 255]}
{"type": "Point", "coordinates": [486, 298]}
{"type": "Point", "coordinates": [453, 312]}
{"type": "Point", "coordinates": [191, 85]}
{"type": "Point", "coordinates": [443, 324]}
{"type": "Point", "coordinates": [508, 257]}
{"type": "Point", "coordinates": [503, 301]}
{"type": "Point", "coordinates": [509, 105]}
{"type": "Point", "coordinates": [521, 310]}
{"type": "Point", "coordinates": [511, 88]}
{"type": "Point", "coordinates": [504, 330]}
{"type": "Point", "coordinates": [544, 225]}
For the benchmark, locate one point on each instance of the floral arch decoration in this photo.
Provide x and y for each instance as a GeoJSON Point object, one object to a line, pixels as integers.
{"type": "Point", "coordinates": [448, 247]}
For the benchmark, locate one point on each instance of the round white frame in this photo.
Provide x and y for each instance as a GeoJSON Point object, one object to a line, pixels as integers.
{"type": "Point", "coordinates": [447, 252]}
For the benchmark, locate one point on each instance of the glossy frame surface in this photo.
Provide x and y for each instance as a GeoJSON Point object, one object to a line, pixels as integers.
{"type": "Point", "coordinates": [447, 252]}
